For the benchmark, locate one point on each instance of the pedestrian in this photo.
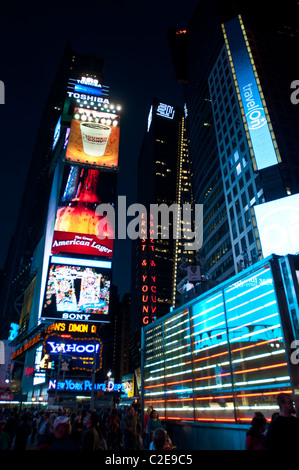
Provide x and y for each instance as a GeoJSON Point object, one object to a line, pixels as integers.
{"type": "Point", "coordinates": [62, 439]}
{"type": "Point", "coordinates": [23, 431]}
{"type": "Point", "coordinates": [113, 424]}
{"type": "Point", "coordinates": [283, 431]}
{"type": "Point", "coordinates": [34, 427]}
{"type": "Point", "coordinates": [43, 430]}
{"type": "Point", "coordinates": [77, 429]}
{"type": "Point", "coordinates": [11, 426]}
{"type": "Point", "coordinates": [158, 440]}
{"type": "Point", "coordinates": [129, 430]}
{"type": "Point", "coordinates": [146, 439]}
{"type": "Point", "coordinates": [90, 436]}
{"type": "Point", "coordinates": [153, 424]}
{"type": "Point", "coordinates": [255, 437]}
{"type": "Point", "coordinates": [4, 436]}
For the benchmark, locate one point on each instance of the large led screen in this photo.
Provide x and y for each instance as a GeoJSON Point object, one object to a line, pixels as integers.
{"type": "Point", "coordinates": [77, 222]}
{"type": "Point", "coordinates": [278, 225]}
{"type": "Point", "coordinates": [256, 119]}
{"type": "Point", "coordinates": [94, 139]}
{"type": "Point", "coordinates": [78, 353]}
{"type": "Point", "coordinates": [77, 290]}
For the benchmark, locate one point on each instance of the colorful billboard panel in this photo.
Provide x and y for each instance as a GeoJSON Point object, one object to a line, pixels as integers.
{"type": "Point", "coordinates": [76, 224]}
{"type": "Point", "coordinates": [278, 225]}
{"type": "Point", "coordinates": [94, 139]}
{"type": "Point", "coordinates": [128, 385]}
{"type": "Point", "coordinates": [77, 289]}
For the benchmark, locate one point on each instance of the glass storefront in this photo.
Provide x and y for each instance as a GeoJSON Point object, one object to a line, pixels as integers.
{"type": "Point", "coordinates": [221, 357]}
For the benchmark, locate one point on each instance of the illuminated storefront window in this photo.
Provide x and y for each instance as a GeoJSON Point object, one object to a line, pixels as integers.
{"type": "Point", "coordinates": [221, 359]}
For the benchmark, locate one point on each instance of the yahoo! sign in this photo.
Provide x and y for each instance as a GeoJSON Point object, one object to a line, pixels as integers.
{"type": "Point", "coordinates": [73, 348]}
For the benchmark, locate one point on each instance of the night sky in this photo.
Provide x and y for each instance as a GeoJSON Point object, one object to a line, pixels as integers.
{"type": "Point", "coordinates": [131, 35]}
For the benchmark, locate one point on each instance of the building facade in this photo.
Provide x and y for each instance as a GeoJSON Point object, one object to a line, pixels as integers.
{"type": "Point", "coordinates": [241, 127]}
{"type": "Point", "coordinates": [161, 258]}
{"type": "Point", "coordinates": [65, 305]}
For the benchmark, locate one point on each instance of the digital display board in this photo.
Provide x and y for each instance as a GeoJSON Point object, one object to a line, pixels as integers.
{"type": "Point", "coordinates": [80, 353]}
{"type": "Point", "coordinates": [94, 139]}
{"type": "Point", "coordinates": [278, 225]}
{"type": "Point", "coordinates": [222, 357]}
{"type": "Point", "coordinates": [77, 289]}
{"type": "Point", "coordinates": [260, 136]}
{"type": "Point", "coordinates": [77, 222]}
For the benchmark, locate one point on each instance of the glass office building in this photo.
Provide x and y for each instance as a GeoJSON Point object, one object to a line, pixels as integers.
{"type": "Point", "coordinates": [226, 354]}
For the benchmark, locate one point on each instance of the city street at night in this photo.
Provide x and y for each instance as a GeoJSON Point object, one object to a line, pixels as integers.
{"type": "Point", "coordinates": [149, 277]}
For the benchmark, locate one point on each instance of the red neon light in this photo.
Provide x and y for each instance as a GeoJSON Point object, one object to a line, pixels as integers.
{"type": "Point", "coordinates": [260, 368]}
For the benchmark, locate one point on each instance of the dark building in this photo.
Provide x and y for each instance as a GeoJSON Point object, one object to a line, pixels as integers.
{"type": "Point", "coordinates": [160, 259]}
{"type": "Point", "coordinates": [33, 212]}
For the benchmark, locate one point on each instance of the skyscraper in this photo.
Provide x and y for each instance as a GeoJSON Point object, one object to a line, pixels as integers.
{"type": "Point", "coordinates": [160, 259]}
{"type": "Point", "coordinates": [242, 123]}
{"type": "Point", "coordinates": [66, 297]}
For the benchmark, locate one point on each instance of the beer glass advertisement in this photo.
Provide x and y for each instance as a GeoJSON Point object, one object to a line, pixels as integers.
{"type": "Point", "coordinates": [77, 222]}
{"type": "Point", "coordinates": [77, 290]}
{"type": "Point", "coordinates": [94, 139]}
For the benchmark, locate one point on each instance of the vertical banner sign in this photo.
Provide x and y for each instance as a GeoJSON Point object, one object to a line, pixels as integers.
{"type": "Point", "coordinates": [148, 271]}
{"type": "Point", "coordinates": [256, 119]}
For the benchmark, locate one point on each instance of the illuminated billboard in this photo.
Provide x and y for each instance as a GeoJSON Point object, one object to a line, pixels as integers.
{"type": "Point", "coordinates": [221, 357]}
{"type": "Point", "coordinates": [254, 109]}
{"type": "Point", "coordinates": [278, 225]}
{"type": "Point", "coordinates": [128, 385]}
{"type": "Point", "coordinates": [77, 289]}
{"type": "Point", "coordinates": [93, 139]}
{"type": "Point", "coordinates": [76, 225]}
{"type": "Point", "coordinates": [79, 353]}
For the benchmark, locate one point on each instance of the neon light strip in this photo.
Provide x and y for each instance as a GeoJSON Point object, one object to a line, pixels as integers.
{"type": "Point", "coordinates": [253, 311]}
{"type": "Point", "coordinates": [246, 371]}
{"type": "Point", "coordinates": [81, 262]}
{"type": "Point", "coordinates": [257, 344]}
{"type": "Point", "coordinates": [273, 379]}
{"type": "Point", "coordinates": [176, 317]}
{"type": "Point", "coordinates": [258, 321]}
{"type": "Point", "coordinates": [254, 382]}
{"type": "Point", "coordinates": [178, 332]}
{"type": "Point", "coordinates": [254, 333]}
{"type": "Point", "coordinates": [241, 283]}
{"type": "Point", "coordinates": [205, 321]}
{"type": "Point", "coordinates": [209, 328]}
{"type": "Point", "coordinates": [224, 420]}
{"type": "Point", "coordinates": [176, 325]}
{"type": "Point", "coordinates": [248, 302]}
{"type": "Point", "coordinates": [205, 312]}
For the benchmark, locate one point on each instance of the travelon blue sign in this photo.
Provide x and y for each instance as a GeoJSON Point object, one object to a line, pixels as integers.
{"type": "Point", "coordinates": [259, 131]}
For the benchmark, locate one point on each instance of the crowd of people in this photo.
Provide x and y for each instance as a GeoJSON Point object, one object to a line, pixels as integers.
{"type": "Point", "coordinates": [120, 429]}
{"type": "Point", "coordinates": [282, 433]}
{"type": "Point", "coordinates": [113, 429]}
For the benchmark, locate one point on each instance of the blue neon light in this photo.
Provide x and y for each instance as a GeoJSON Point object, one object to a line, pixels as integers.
{"type": "Point", "coordinates": [259, 131]}
{"type": "Point", "coordinates": [87, 89]}
{"type": "Point", "coordinates": [81, 262]}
